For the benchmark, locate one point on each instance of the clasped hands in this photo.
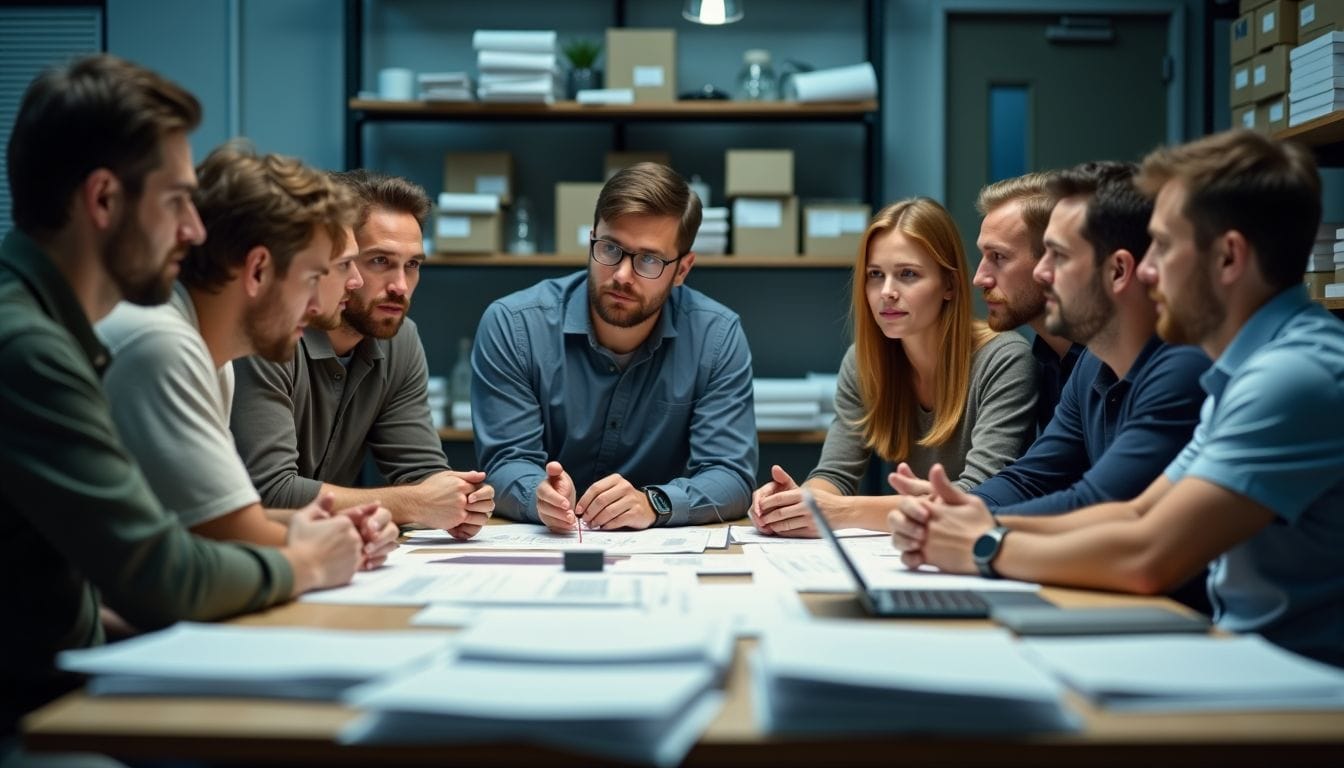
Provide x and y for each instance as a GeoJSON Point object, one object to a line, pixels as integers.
{"type": "Point", "coordinates": [608, 504]}
{"type": "Point", "coordinates": [935, 522]}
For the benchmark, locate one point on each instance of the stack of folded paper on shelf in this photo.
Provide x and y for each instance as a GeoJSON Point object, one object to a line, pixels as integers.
{"type": "Point", "coordinates": [795, 404]}
{"type": "Point", "coordinates": [712, 239]}
{"type": "Point", "coordinates": [519, 66]}
{"type": "Point", "coordinates": [445, 86]}
{"type": "Point", "coordinates": [1316, 78]}
{"type": "Point", "coordinates": [1327, 254]}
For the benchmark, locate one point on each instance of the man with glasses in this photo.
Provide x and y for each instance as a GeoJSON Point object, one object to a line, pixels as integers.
{"type": "Point", "coordinates": [619, 397]}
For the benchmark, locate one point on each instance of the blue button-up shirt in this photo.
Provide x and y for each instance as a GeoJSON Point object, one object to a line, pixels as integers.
{"type": "Point", "coordinates": [1272, 430]}
{"type": "Point", "coordinates": [679, 416]}
{"type": "Point", "coordinates": [1110, 438]}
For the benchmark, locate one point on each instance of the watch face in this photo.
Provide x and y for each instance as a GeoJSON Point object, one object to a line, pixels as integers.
{"type": "Point", "coordinates": [659, 501]}
{"type": "Point", "coordinates": [985, 547]}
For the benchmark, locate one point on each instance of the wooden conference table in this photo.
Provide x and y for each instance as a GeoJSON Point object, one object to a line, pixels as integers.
{"type": "Point", "coordinates": [251, 731]}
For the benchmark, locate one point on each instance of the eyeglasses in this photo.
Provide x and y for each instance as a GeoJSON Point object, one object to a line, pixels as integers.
{"type": "Point", "coordinates": [646, 265]}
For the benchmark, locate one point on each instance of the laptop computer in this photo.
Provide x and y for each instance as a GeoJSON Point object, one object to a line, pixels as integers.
{"type": "Point", "coordinates": [919, 603]}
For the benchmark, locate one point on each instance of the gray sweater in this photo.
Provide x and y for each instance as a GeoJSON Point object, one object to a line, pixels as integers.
{"type": "Point", "coordinates": [996, 428]}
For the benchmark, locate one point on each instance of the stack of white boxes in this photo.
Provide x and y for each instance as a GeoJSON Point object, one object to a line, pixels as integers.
{"type": "Point", "coordinates": [1316, 79]}
{"type": "Point", "coordinates": [712, 239]}
{"type": "Point", "coordinates": [1321, 262]}
{"type": "Point", "coordinates": [445, 86]}
{"type": "Point", "coordinates": [1335, 289]}
{"type": "Point", "coordinates": [517, 66]}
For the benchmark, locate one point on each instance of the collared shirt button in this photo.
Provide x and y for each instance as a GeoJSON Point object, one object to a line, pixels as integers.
{"type": "Point", "coordinates": [613, 423]}
{"type": "Point", "coordinates": [338, 375]}
{"type": "Point", "coordinates": [611, 369]}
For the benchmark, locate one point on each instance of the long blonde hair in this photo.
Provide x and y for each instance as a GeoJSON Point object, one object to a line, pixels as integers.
{"type": "Point", "coordinates": [886, 379]}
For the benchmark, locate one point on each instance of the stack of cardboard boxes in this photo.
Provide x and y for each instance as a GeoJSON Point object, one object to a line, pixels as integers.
{"type": "Point", "coordinates": [469, 217]}
{"type": "Point", "coordinates": [1267, 43]}
{"type": "Point", "coordinates": [1261, 39]}
{"type": "Point", "coordinates": [759, 182]}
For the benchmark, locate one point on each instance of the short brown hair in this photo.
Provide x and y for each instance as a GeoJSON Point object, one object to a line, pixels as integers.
{"type": "Point", "coordinates": [1269, 191]}
{"type": "Point", "coordinates": [1034, 203]}
{"type": "Point", "coordinates": [95, 112]}
{"type": "Point", "coordinates": [381, 190]}
{"type": "Point", "coordinates": [1117, 212]}
{"type": "Point", "coordinates": [246, 200]}
{"type": "Point", "coordinates": [651, 189]}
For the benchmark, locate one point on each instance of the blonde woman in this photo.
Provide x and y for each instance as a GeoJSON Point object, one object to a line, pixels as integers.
{"type": "Point", "coordinates": [923, 383]}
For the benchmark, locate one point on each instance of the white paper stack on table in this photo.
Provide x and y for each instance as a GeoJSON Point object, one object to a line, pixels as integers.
{"type": "Point", "coordinates": [445, 86]}
{"type": "Point", "coordinates": [712, 239]}
{"type": "Point", "coordinates": [794, 404]}
{"type": "Point", "coordinates": [1316, 78]}
{"type": "Point", "coordinates": [222, 660]}
{"type": "Point", "coordinates": [854, 677]}
{"type": "Point", "coordinates": [641, 692]}
{"type": "Point", "coordinates": [1185, 673]}
{"type": "Point", "coordinates": [517, 66]}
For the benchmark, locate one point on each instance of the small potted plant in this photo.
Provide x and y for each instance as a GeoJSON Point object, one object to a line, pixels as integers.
{"type": "Point", "coordinates": [583, 72]}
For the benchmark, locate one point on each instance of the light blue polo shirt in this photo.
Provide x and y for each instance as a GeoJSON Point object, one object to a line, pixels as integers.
{"type": "Point", "coordinates": [1272, 429]}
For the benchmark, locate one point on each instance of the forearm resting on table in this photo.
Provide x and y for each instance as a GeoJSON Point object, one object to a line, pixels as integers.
{"type": "Point", "coordinates": [403, 501]}
{"type": "Point", "coordinates": [844, 511]}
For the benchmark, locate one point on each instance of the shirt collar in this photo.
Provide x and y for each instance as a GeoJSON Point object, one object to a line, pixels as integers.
{"type": "Point", "coordinates": [1046, 355]}
{"type": "Point", "coordinates": [577, 321]}
{"type": "Point", "coordinates": [1259, 330]}
{"type": "Point", "coordinates": [317, 344]}
{"type": "Point", "coordinates": [45, 282]}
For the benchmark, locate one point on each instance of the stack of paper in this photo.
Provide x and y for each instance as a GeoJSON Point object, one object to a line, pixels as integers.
{"type": "Point", "coordinates": [445, 86]}
{"type": "Point", "coordinates": [688, 540]}
{"type": "Point", "coordinates": [1316, 78]}
{"type": "Point", "coordinates": [517, 66]}
{"type": "Point", "coordinates": [223, 660]}
{"type": "Point", "coordinates": [643, 713]}
{"type": "Point", "coordinates": [794, 404]}
{"type": "Point", "coordinates": [460, 415]}
{"type": "Point", "coordinates": [854, 677]}
{"type": "Point", "coordinates": [1334, 287]}
{"type": "Point", "coordinates": [1184, 673]}
{"type": "Point", "coordinates": [712, 239]}
{"type": "Point", "coordinates": [595, 638]}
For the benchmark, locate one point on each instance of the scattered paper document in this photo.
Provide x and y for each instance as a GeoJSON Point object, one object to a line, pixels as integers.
{"type": "Point", "coordinates": [818, 569]}
{"type": "Point", "coordinates": [1181, 673]}
{"type": "Point", "coordinates": [590, 638]}
{"type": "Point", "coordinates": [705, 565]}
{"type": "Point", "coordinates": [226, 660]}
{"type": "Point", "coordinates": [747, 534]}
{"type": "Point", "coordinates": [529, 536]}
{"type": "Point", "coordinates": [718, 537]}
{"type": "Point", "coordinates": [750, 609]}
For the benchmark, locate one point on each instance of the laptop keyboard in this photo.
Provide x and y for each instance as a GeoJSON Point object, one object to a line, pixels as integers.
{"type": "Point", "coordinates": [931, 602]}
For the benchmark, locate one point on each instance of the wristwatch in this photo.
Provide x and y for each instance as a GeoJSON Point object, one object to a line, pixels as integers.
{"type": "Point", "coordinates": [986, 548]}
{"type": "Point", "coordinates": [661, 504]}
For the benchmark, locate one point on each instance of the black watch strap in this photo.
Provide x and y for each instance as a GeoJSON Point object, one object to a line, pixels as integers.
{"type": "Point", "coordinates": [661, 505]}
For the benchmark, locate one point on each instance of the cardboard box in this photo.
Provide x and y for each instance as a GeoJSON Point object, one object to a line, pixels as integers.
{"type": "Point", "coordinates": [1272, 116]}
{"type": "Point", "coordinates": [1316, 16]}
{"type": "Point", "coordinates": [615, 161]}
{"type": "Point", "coordinates": [467, 232]}
{"type": "Point", "coordinates": [760, 172]}
{"type": "Point", "coordinates": [765, 226]}
{"type": "Point", "coordinates": [1244, 117]}
{"type": "Point", "coordinates": [834, 229]}
{"type": "Point", "coordinates": [1269, 73]}
{"type": "Point", "coordinates": [1239, 87]}
{"type": "Point", "coordinates": [1246, 6]}
{"type": "Point", "coordinates": [644, 60]}
{"type": "Point", "coordinates": [575, 203]}
{"type": "Point", "coordinates": [479, 173]}
{"type": "Point", "coordinates": [1242, 45]}
{"type": "Point", "coordinates": [1276, 24]}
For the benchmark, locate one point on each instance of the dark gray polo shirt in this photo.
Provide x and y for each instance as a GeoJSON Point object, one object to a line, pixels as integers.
{"type": "Point", "coordinates": [307, 422]}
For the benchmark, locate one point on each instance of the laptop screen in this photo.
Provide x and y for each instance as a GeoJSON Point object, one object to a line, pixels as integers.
{"type": "Point", "coordinates": [828, 534]}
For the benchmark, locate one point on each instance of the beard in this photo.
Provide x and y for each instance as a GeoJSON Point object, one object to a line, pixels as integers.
{"type": "Point", "coordinates": [617, 316]}
{"type": "Point", "coordinates": [1085, 318]}
{"type": "Point", "coordinates": [332, 321]}
{"type": "Point", "coordinates": [1195, 317]}
{"type": "Point", "coordinates": [1015, 313]}
{"type": "Point", "coordinates": [270, 332]}
{"type": "Point", "coordinates": [128, 258]}
{"type": "Point", "coordinates": [358, 316]}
